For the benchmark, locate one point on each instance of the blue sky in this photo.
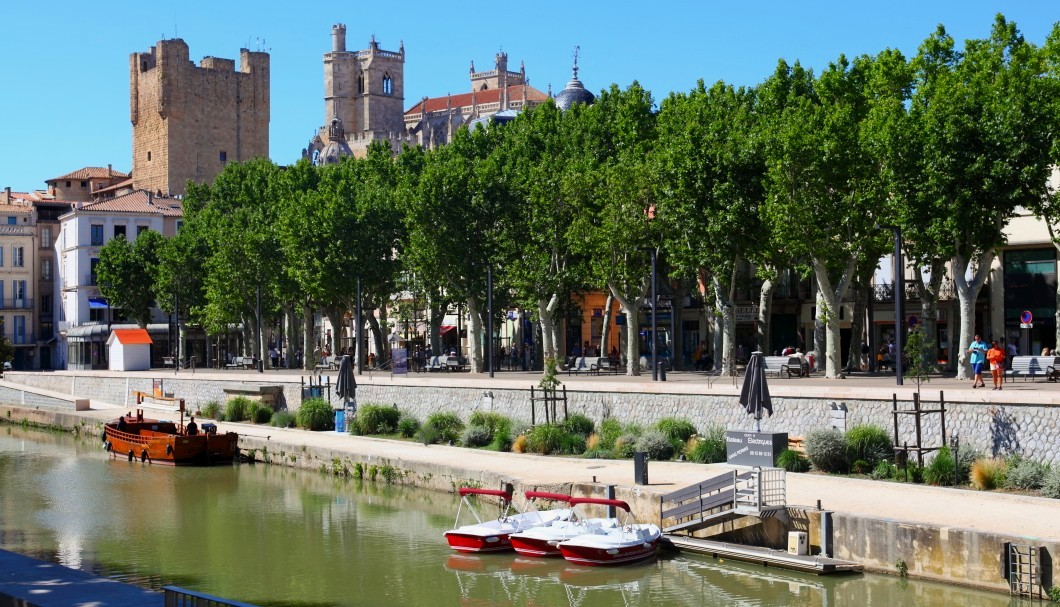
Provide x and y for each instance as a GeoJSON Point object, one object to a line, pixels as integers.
{"type": "Point", "coordinates": [65, 63]}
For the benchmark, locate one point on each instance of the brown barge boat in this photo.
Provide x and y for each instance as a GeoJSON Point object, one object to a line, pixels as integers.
{"type": "Point", "coordinates": [165, 442]}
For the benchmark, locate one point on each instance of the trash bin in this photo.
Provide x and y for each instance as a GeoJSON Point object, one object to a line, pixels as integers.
{"type": "Point", "coordinates": [315, 391]}
{"type": "Point", "coordinates": [662, 370]}
{"type": "Point", "coordinates": [340, 420]}
{"type": "Point", "coordinates": [640, 467]}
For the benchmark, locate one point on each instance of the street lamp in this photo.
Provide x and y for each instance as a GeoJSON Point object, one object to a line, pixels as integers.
{"type": "Point", "coordinates": [899, 300]}
{"type": "Point", "coordinates": [489, 318]}
{"type": "Point", "coordinates": [654, 319]}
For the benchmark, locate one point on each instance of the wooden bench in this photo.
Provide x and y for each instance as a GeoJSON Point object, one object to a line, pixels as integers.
{"type": "Point", "coordinates": [436, 363]}
{"type": "Point", "coordinates": [242, 362]}
{"type": "Point", "coordinates": [453, 363]}
{"type": "Point", "coordinates": [1031, 366]}
{"type": "Point", "coordinates": [775, 364]}
{"type": "Point", "coordinates": [606, 366]}
{"type": "Point", "coordinates": [799, 366]}
{"type": "Point", "coordinates": [585, 364]}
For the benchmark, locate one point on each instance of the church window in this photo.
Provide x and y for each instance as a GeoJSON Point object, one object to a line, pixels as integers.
{"type": "Point", "coordinates": [388, 85]}
{"type": "Point", "coordinates": [360, 84]}
{"type": "Point", "coordinates": [149, 157]}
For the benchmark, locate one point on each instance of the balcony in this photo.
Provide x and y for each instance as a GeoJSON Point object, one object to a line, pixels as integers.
{"type": "Point", "coordinates": [25, 303]}
{"type": "Point", "coordinates": [21, 339]}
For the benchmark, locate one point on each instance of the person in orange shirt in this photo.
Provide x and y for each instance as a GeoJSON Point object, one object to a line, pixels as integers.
{"type": "Point", "coordinates": [996, 357]}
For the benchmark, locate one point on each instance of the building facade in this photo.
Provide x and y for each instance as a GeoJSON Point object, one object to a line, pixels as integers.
{"type": "Point", "coordinates": [18, 273]}
{"type": "Point", "coordinates": [189, 121]}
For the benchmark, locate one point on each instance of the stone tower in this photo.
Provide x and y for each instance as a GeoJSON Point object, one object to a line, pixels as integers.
{"type": "Point", "coordinates": [364, 89]}
{"type": "Point", "coordinates": [189, 121]}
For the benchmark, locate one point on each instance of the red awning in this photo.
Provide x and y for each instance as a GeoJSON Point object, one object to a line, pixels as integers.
{"type": "Point", "coordinates": [446, 328]}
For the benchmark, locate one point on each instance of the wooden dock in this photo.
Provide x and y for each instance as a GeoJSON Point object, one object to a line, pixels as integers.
{"type": "Point", "coordinates": [767, 557]}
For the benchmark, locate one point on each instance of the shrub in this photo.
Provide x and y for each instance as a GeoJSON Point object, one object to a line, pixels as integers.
{"type": "Point", "coordinates": [609, 432]}
{"type": "Point", "coordinates": [883, 470]}
{"type": "Point", "coordinates": [941, 469]}
{"type": "Point", "coordinates": [860, 467]}
{"type": "Point", "coordinates": [676, 429]}
{"type": "Point", "coordinates": [625, 445]}
{"type": "Point", "coordinates": [475, 436]}
{"type": "Point", "coordinates": [428, 435]}
{"type": "Point", "coordinates": [283, 419]}
{"type": "Point", "coordinates": [210, 410]}
{"type": "Point", "coordinates": [578, 424]}
{"type": "Point", "coordinates": [447, 426]}
{"type": "Point", "coordinates": [596, 453]}
{"type": "Point", "coordinates": [376, 419]}
{"type": "Point", "coordinates": [545, 439]}
{"type": "Point", "coordinates": [259, 412]}
{"type": "Point", "coordinates": [1026, 474]}
{"type": "Point", "coordinates": [656, 444]}
{"type": "Point", "coordinates": [408, 426]}
{"type": "Point", "coordinates": [237, 408]}
{"type": "Point", "coordinates": [519, 444]}
{"type": "Point", "coordinates": [793, 461]}
{"type": "Point", "coordinates": [827, 450]}
{"type": "Point", "coordinates": [869, 443]}
{"type": "Point", "coordinates": [1051, 484]}
{"type": "Point", "coordinates": [572, 444]}
{"type": "Point", "coordinates": [502, 439]}
{"type": "Point", "coordinates": [988, 473]}
{"type": "Point", "coordinates": [489, 420]}
{"type": "Point", "coordinates": [910, 472]}
{"type": "Point", "coordinates": [315, 414]}
{"type": "Point", "coordinates": [708, 448]}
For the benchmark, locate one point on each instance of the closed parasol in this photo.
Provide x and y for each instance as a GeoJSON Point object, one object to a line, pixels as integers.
{"type": "Point", "coordinates": [754, 395]}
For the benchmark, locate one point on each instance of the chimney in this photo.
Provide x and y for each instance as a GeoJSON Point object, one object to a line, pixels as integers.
{"type": "Point", "coordinates": [7, 195]}
{"type": "Point", "coordinates": [150, 198]}
{"type": "Point", "coordinates": [110, 172]}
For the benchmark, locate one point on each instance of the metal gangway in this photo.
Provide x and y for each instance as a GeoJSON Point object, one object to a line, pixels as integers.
{"type": "Point", "coordinates": [757, 492]}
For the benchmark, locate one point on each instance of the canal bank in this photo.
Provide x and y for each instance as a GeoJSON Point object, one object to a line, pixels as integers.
{"type": "Point", "coordinates": [948, 535]}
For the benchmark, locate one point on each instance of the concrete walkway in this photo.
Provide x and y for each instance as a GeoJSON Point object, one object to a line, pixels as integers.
{"type": "Point", "coordinates": [36, 583]}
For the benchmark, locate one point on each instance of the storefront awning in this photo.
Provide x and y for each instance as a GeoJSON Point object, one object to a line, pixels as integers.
{"type": "Point", "coordinates": [445, 329]}
{"type": "Point", "coordinates": [98, 303]}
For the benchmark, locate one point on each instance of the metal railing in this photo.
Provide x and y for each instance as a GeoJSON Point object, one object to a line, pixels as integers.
{"type": "Point", "coordinates": [181, 597]}
{"type": "Point", "coordinates": [12, 303]}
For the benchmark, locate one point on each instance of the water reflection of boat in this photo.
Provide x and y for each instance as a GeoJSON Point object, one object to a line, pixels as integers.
{"type": "Point", "coordinates": [163, 442]}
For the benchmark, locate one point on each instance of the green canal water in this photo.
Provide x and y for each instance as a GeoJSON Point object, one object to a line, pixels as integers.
{"type": "Point", "coordinates": [276, 536]}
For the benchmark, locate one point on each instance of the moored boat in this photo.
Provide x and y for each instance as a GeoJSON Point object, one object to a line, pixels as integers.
{"type": "Point", "coordinates": [165, 442]}
{"type": "Point", "coordinates": [627, 543]}
{"type": "Point", "coordinates": [493, 535]}
{"type": "Point", "coordinates": [544, 541]}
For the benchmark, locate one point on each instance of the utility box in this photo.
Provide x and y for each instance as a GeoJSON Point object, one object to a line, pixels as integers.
{"type": "Point", "coordinates": [640, 467]}
{"type": "Point", "coordinates": [797, 543]}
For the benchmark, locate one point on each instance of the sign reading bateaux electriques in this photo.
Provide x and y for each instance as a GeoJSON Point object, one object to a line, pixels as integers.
{"type": "Point", "coordinates": [755, 448]}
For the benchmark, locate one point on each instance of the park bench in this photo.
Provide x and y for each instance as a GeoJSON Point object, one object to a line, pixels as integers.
{"type": "Point", "coordinates": [436, 363]}
{"type": "Point", "coordinates": [1031, 366]}
{"type": "Point", "coordinates": [775, 364]}
{"type": "Point", "coordinates": [242, 362]}
{"type": "Point", "coordinates": [167, 361]}
{"type": "Point", "coordinates": [798, 366]}
{"type": "Point", "coordinates": [328, 363]}
{"type": "Point", "coordinates": [585, 364]}
{"type": "Point", "coordinates": [606, 365]}
{"type": "Point", "coordinates": [452, 363]}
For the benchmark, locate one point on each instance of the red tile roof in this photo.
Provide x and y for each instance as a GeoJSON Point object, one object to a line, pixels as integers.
{"type": "Point", "coordinates": [515, 94]}
{"type": "Point", "coordinates": [27, 196]}
{"type": "Point", "coordinates": [139, 202]}
{"type": "Point", "coordinates": [132, 337]}
{"type": "Point", "coordinates": [121, 184]}
{"type": "Point", "coordinates": [89, 173]}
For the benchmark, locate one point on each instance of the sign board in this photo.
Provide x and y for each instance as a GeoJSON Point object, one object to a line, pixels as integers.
{"type": "Point", "coordinates": [1026, 325]}
{"type": "Point", "coordinates": [1026, 317]}
{"type": "Point", "coordinates": [156, 387]}
{"type": "Point", "coordinates": [755, 448]}
{"type": "Point", "coordinates": [746, 313]}
{"type": "Point", "coordinates": [401, 361]}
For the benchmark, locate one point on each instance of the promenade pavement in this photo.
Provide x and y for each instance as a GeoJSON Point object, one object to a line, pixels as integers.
{"type": "Point", "coordinates": [996, 512]}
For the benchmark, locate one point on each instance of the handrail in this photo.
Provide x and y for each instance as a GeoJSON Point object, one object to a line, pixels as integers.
{"type": "Point", "coordinates": [176, 596]}
{"type": "Point", "coordinates": [601, 502]}
{"type": "Point", "coordinates": [465, 491]}
{"type": "Point", "coordinates": [546, 495]}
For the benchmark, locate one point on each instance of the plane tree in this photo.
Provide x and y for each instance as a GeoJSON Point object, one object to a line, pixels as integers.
{"type": "Point", "coordinates": [127, 272]}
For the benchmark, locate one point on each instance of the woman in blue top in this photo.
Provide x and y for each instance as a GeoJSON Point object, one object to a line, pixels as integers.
{"type": "Point", "coordinates": [978, 360]}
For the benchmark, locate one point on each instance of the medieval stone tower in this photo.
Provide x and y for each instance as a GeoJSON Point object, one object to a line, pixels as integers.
{"type": "Point", "coordinates": [189, 121]}
{"type": "Point", "coordinates": [364, 98]}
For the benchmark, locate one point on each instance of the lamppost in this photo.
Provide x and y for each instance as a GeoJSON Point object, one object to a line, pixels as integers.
{"type": "Point", "coordinates": [899, 297]}
{"type": "Point", "coordinates": [654, 319]}
{"type": "Point", "coordinates": [489, 318]}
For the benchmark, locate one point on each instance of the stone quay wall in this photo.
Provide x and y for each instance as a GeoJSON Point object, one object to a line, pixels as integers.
{"type": "Point", "coordinates": [994, 428]}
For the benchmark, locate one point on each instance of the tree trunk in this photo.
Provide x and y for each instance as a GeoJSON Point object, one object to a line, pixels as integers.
{"type": "Point", "coordinates": [765, 313]}
{"type": "Point", "coordinates": [631, 308]}
{"type": "Point", "coordinates": [717, 326]}
{"type": "Point", "coordinates": [819, 333]}
{"type": "Point", "coordinates": [857, 329]}
{"type": "Point", "coordinates": [605, 330]}
{"type": "Point", "coordinates": [309, 360]}
{"type": "Point", "coordinates": [723, 298]}
{"type": "Point", "coordinates": [677, 313]}
{"type": "Point", "coordinates": [928, 292]}
{"type": "Point", "coordinates": [967, 293]}
{"type": "Point", "coordinates": [290, 336]}
{"type": "Point", "coordinates": [474, 332]}
{"type": "Point", "coordinates": [829, 298]}
{"type": "Point", "coordinates": [546, 311]}
{"type": "Point", "coordinates": [335, 317]}
{"type": "Point", "coordinates": [377, 336]}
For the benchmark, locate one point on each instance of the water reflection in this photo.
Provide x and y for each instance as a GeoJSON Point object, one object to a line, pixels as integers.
{"type": "Point", "coordinates": [276, 536]}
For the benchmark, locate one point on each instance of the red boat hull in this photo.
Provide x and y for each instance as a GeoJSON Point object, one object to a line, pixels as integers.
{"type": "Point", "coordinates": [530, 546]}
{"type": "Point", "coordinates": [624, 555]}
{"type": "Point", "coordinates": [470, 542]}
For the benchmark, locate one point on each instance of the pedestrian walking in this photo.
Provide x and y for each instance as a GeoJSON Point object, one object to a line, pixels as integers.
{"type": "Point", "coordinates": [978, 361]}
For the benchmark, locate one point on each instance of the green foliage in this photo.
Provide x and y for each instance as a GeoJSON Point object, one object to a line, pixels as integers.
{"type": "Point", "coordinates": [283, 419]}
{"type": "Point", "coordinates": [579, 424]}
{"type": "Point", "coordinates": [408, 426]}
{"type": "Point", "coordinates": [428, 435]}
{"type": "Point", "coordinates": [625, 445]}
{"type": "Point", "coordinates": [1051, 484]}
{"type": "Point", "coordinates": [708, 448]}
{"type": "Point", "coordinates": [920, 355]}
{"type": "Point", "coordinates": [127, 272]}
{"type": "Point", "coordinates": [238, 409]}
{"type": "Point", "coordinates": [1054, 594]}
{"type": "Point", "coordinates": [942, 468]}
{"type": "Point", "coordinates": [656, 444]}
{"type": "Point", "coordinates": [549, 379]}
{"type": "Point", "coordinates": [572, 444]}
{"type": "Point", "coordinates": [793, 461]}
{"type": "Point", "coordinates": [610, 430]}
{"type": "Point", "coordinates": [259, 413]}
{"type": "Point", "coordinates": [869, 443]}
{"type": "Point", "coordinates": [596, 453]}
{"type": "Point", "coordinates": [988, 473]}
{"type": "Point", "coordinates": [902, 568]}
{"type": "Point", "coordinates": [502, 438]}
{"type": "Point", "coordinates": [475, 436]}
{"type": "Point", "coordinates": [490, 420]}
{"type": "Point", "coordinates": [446, 427]}
{"type": "Point", "coordinates": [676, 429]}
{"type": "Point", "coordinates": [546, 439]}
{"type": "Point", "coordinates": [315, 414]}
{"type": "Point", "coordinates": [884, 470]}
{"type": "Point", "coordinates": [7, 351]}
{"type": "Point", "coordinates": [827, 450]}
{"type": "Point", "coordinates": [210, 410]}
{"type": "Point", "coordinates": [860, 466]}
{"type": "Point", "coordinates": [1026, 474]}
{"type": "Point", "coordinates": [376, 419]}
